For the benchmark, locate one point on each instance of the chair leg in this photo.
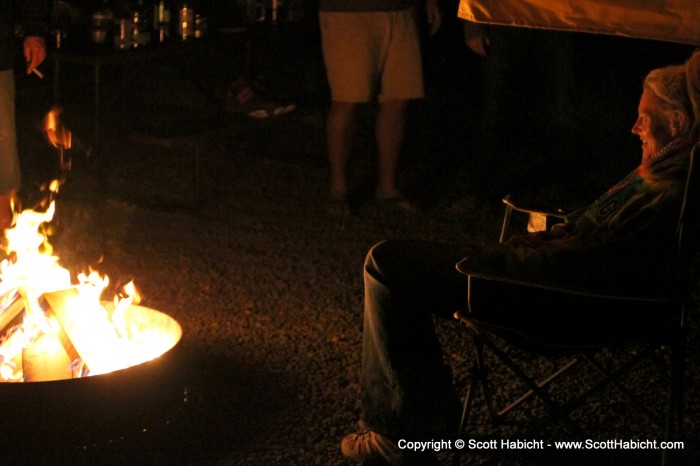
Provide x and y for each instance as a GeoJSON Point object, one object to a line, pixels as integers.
{"type": "Point", "coordinates": [466, 407]}
{"type": "Point", "coordinates": [555, 410]}
{"type": "Point", "coordinates": [674, 419]}
{"type": "Point", "coordinates": [483, 382]}
{"type": "Point", "coordinates": [477, 376]}
{"type": "Point", "coordinates": [541, 384]}
{"type": "Point", "coordinates": [611, 378]}
{"type": "Point", "coordinates": [678, 358]}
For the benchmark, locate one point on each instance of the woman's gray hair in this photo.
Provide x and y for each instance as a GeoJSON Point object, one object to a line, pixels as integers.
{"type": "Point", "coordinates": [678, 88]}
{"type": "Point", "coordinates": [692, 72]}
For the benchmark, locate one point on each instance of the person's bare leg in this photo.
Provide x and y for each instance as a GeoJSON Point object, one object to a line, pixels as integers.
{"type": "Point", "coordinates": [391, 118]}
{"type": "Point", "coordinates": [340, 132]}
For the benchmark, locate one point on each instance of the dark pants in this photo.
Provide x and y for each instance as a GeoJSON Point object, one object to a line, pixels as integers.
{"type": "Point", "coordinates": [406, 386]}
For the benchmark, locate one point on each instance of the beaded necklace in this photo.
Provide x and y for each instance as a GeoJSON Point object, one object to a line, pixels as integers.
{"type": "Point", "coordinates": [664, 150]}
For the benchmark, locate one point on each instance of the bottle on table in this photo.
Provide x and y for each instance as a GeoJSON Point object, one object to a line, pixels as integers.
{"type": "Point", "coordinates": [161, 20]}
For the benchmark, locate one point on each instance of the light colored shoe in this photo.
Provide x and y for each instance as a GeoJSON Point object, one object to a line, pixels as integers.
{"type": "Point", "coordinates": [244, 96]}
{"type": "Point", "coordinates": [370, 446]}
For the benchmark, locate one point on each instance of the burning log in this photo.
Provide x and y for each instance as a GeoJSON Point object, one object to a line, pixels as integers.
{"type": "Point", "coordinates": [47, 356]}
{"type": "Point", "coordinates": [46, 359]}
{"type": "Point", "coordinates": [89, 330]}
{"type": "Point", "coordinates": [9, 312]}
{"type": "Point", "coordinates": [51, 356]}
{"type": "Point", "coordinates": [12, 341]}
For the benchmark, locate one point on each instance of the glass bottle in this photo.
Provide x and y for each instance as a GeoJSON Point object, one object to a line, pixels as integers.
{"type": "Point", "coordinates": [185, 21]}
{"type": "Point", "coordinates": [101, 23]}
{"type": "Point", "coordinates": [141, 25]}
{"type": "Point", "coordinates": [161, 20]}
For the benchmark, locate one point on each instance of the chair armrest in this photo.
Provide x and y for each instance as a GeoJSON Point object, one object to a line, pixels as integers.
{"type": "Point", "coordinates": [537, 211]}
{"type": "Point", "coordinates": [530, 206]}
{"type": "Point", "coordinates": [498, 275]}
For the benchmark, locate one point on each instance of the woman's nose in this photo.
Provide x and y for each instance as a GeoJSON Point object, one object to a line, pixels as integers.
{"type": "Point", "coordinates": [635, 127]}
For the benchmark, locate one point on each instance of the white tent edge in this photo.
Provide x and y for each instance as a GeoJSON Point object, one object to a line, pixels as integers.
{"type": "Point", "coordinates": [664, 20]}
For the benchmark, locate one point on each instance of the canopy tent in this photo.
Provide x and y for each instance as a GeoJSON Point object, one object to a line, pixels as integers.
{"type": "Point", "coordinates": [666, 20]}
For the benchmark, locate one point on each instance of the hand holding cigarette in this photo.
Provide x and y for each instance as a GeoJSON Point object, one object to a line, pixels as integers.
{"type": "Point", "coordinates": [34, 53]}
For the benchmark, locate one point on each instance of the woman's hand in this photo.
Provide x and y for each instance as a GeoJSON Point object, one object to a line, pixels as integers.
{"type": "Point", "coordinates": [34, 52]}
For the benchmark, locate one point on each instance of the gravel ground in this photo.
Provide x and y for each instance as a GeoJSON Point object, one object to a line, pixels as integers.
{"type": "Point", "coordinates": [268, 289]}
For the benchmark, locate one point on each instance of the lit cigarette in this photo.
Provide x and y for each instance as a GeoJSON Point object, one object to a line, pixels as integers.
{"type": "Point", "coordinates": [38, 73]}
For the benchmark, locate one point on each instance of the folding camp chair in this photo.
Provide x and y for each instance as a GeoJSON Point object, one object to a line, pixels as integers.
{"type": "Point", "coordinates": [593, 320]}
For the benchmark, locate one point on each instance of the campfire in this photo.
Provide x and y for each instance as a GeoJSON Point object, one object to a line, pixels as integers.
{"type": "Point", "coordinates": [57, 326]}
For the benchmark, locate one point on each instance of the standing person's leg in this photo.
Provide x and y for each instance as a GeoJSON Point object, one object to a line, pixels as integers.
{"type": "Point", "coordinates": [406, 386]}
{"type": "Point", "coordinates": [9, 162]}
{"type": "Point", "coordinates": [340, 133]}
{"type": "Point", "coordinates": [352, 70]}
{"type": "Point", "coordinates": [401, 81]}
{"type": "Point", "coordinates": [391, 118]}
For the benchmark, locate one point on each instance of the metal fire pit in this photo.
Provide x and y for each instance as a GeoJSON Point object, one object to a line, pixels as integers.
{"type": "Point", "coordinates": [95, 409]}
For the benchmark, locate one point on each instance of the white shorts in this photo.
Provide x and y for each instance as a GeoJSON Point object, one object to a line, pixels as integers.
{"type": "Point", "coordinates": [372, 54]}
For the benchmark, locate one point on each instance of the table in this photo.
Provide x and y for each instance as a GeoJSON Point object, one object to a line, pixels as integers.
{"type": "Point", "coordinates": [131, 62]}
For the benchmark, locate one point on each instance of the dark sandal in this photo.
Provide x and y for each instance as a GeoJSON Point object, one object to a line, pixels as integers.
{"type": "Point", "coordinates": [400, 203]}
{"type": "Point", "coordinates": [338, 207]}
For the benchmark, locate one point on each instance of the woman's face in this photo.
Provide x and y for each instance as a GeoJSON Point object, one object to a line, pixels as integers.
{"type": "Point", "coordinates": [652, 125]}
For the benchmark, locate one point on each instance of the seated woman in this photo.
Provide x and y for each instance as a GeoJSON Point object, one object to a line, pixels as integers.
{"type": "Point", "coordinates": [617, 241]}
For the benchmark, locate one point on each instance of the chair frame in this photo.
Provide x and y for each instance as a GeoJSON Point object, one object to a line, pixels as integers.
{"type": "Point", "coordinates": [482, 333]}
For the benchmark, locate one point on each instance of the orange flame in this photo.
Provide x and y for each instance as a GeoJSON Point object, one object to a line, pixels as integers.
{"type": "Point", "coordinates": [56, 133]}
{"type": "Point", "coordinates": [104, 336]}
{"type": "Point", "coordinates": [67, 330]}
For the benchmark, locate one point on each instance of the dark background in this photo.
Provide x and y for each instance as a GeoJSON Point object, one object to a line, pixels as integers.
{"type": "Point", "coordinates": [266, 285]}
